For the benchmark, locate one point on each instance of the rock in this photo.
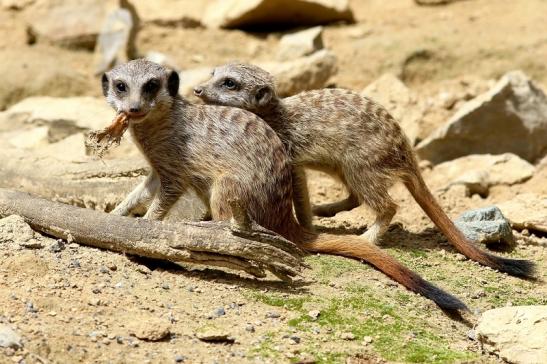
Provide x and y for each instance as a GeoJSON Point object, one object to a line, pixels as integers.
{"type": "Point", "coordinates": [516, 334]}
{"type": "Point", "coordinates": [29, 72]}
{"type": "Point", "coordinates": [9, 338]}
{"type": "Point", "coordinates": [68, 23]}
{"type": "Point", "coordinates": [249, 13]}
{"type": "Point", "coordinates": [180, 13]}
{"type": "Point", "coordinates": [273, 314]}
{"type": "Point", "coordinates": [314, 314]}
{"type": "Point", "coordinates": [249, 328]}
{"type": "Point", "coordinates": [527, 211]}
{"type": "Point", "coordinates": [214, 334]}
{"type": "Point", "coordinates": [219, 312]}
{"type": "Point", "coordinates": [300, 44]}
{"type": "Point", "coordinates": [149, 329]}
{"type": "Point", "coordinates": [116, 42]}
{"type": "Point", "coordinates": [486, 225]}
{"type": "Point", "coordinates": [479, 172]}
{"type": "Point", "coordinates": [347, 336]}
{"type": "Point", "coordinates": [295, 339]}
{"type": "Point", "coordinates": [292, 77]}
{"type": "Point", "coordinates": [367, 340]}
{"type": "Point", "coordinates": [401, 103]}
{"type": "Point", "coordinates": [510, 117]}
{"type": "Point", "coordinates": [64, 116]}
{"type": "Point", "coordinates": [305, 73]}
{"type": "Point", "coordinates": [14, 229]}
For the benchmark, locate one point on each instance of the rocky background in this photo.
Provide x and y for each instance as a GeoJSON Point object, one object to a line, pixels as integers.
{"type": "Point", "coordinates": [467, 81]}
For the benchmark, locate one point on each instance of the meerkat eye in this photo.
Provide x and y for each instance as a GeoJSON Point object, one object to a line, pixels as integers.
{"type": "Point", "coordinates": [151, 86]}
{"type": "Point", "coordinates": [229, 84]}
{"type": "Point", "coordinates": [121, 87]}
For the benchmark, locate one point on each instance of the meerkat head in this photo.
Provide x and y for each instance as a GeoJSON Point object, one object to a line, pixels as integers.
{"type": "Point", "coordinates": [140, 89]}
{"type": "Point", "coordinates": [239, 85]}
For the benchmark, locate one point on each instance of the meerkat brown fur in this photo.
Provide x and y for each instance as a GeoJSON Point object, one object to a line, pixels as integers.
{"type": "Point", "coordinates": [351, 138]}
{"type": "Point", "coordinates": [224, 153]}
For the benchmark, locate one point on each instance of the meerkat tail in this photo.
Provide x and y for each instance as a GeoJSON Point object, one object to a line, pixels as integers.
{"type": "Point", "coordinates": [357, 247]}
{"type": "Point", "coordinates": [421, 193]}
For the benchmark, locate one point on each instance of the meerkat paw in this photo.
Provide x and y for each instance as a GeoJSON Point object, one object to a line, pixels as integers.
{"type": "Point", "coordinates": [372, 235]}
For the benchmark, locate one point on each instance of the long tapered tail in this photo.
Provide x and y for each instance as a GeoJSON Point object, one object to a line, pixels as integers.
{"type": "Point", "coordinates": [358, 247]}
{"type": "Point", "coordinates": [422, 195]}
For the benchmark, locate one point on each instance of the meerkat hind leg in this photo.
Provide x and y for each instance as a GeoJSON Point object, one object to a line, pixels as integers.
{"type": "Point", "coordinates": [384, 215]}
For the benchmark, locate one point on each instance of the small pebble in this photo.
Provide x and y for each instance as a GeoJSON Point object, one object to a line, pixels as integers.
{"type": "Point", "coordinates": [165, 286]}
{"type": "Point", "coordinates": [30, 307]}
{"type": "Point", "coordinates": [249, 328]}
{"type": "Point", "coordinates": [347, 336]}
{"type": "Point", "coordinates": [472, 335]}
{"type": "Point", "coordinates": [273, 314]}
{"type": "Point", "coordinates": [367, 340]}
{"type": "Point", "coordinates": [179, 359]}
{"type": "Point", "coordinates": [219, 312]}
{"type": "Point", "coordinates": [104, 270]}
{"type": "Point", "coordinates": [295, 339]}
{"type": "Point", "coordinates": [314, 314]}
{"type": "Point", "coordinates": [74, 263]}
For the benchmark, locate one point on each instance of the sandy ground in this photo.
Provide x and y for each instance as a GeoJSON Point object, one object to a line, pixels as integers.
{"type": "Point", "coordinates": [76, 304]}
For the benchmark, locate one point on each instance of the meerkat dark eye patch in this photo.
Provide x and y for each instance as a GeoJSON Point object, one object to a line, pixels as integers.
{"type": "Point", "coordinates": [151, 87]}
{"type": "Point", "coordinates": [229, 84]}
{"type": "Point", "coordinates": [120, 86]}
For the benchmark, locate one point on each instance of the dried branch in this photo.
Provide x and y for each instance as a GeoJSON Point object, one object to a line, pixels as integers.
{"type": "Point", "coordinates": [207, 243]}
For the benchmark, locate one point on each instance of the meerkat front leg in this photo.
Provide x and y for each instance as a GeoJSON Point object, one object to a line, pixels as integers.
{"type": "Point", "coordinates": [301, 198]}
{"type": "Point", "coordinates": [140, 196]}
{"type": "Point", "coordinates": [165, 198]}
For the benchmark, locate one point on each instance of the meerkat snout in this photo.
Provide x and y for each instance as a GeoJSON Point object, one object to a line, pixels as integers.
{"type": "Point", "coordinates": [198, 90]}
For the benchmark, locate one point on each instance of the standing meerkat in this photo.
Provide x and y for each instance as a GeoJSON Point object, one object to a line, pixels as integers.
{"type": "Point", "coordinates": [224, 153]}
{"type": "Point", "coordinates": [351, 138]}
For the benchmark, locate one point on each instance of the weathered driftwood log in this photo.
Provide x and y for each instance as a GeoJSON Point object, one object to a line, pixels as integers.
{"type": "Point", "coordinates": [240, 245]}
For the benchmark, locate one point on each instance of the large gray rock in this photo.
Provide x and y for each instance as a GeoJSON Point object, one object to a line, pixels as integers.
{"type": "Point", "coordinates": [511, 117]}
{"type": "Point", "coordinates": [392, 93]}
{"type": "Point", "coordinates": [247, 13]}
{"type": "Point", "coordinates": [300, 44]}
{"type": "Point", "coordinates": [527, 211]}
{"type": "Point", "coordinates": [479, 172]}
{"type": "Point", "coordinates": [29, 72]}
{"type": "Point", "coordinates": [486, 225]}
{"type": "Point", "coordinates": [68, 23]}
{"type": "Point", "coordinates": [62, 115]}
{"type": "Point", "coordinates": [516, 334]}
{"type": "Point", "coordinates": [180, 13]}
{"type": "Point", "coordinates": [305, 73]}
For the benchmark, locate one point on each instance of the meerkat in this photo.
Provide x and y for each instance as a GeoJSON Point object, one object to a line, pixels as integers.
{"type": "Point", "coordinates": [225, 153]}
{"type": "Point", "coordinates": [350, 137]}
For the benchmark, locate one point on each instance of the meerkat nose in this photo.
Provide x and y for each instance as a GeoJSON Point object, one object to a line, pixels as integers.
{"type": "Point", "coordinates": [134, 110]}
{"type": "Point", "coordinates": [198, 91]}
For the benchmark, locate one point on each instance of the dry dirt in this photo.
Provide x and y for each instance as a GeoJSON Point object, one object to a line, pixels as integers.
{"type": "Point", "coordinates": [77, 304]}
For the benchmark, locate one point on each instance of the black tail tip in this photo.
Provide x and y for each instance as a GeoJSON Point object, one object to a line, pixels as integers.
{"type": "Point", "coordinates": [443, 299]}
{"type": "Point", "coordinates": [516, 267]}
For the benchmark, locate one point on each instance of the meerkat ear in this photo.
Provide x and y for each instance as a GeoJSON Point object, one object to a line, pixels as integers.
{"type": "Point", "coordinates": [264, 96]}
{"type": "Point", "coordinates": [104, 84]}
{"type": "Point", "coordinates": [173, 83]}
